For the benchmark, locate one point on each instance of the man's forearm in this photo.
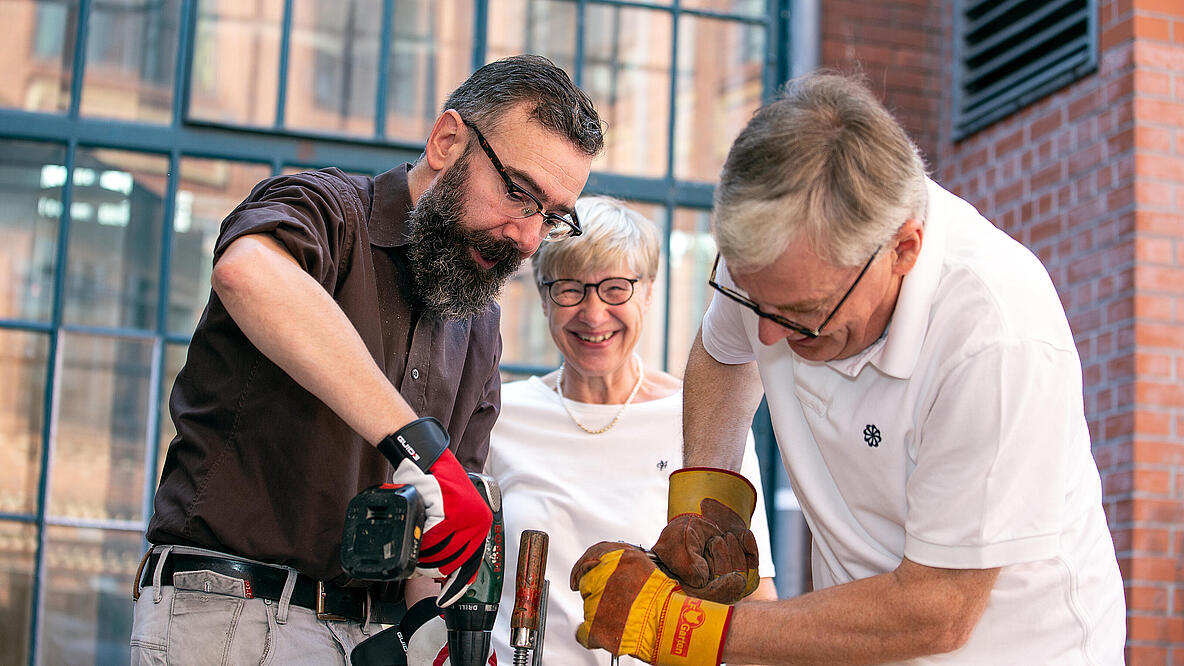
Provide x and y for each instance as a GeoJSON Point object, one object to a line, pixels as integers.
{"type": "Point", "coordinates": [289, 317]}
{"type": "Point", "coordinates": [913, 611]}
{"type": "Point", "coordinates": [719, 401]}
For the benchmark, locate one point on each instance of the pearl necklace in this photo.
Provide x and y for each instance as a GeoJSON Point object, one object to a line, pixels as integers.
{"type": "Point", "coordinates": [597, 431]}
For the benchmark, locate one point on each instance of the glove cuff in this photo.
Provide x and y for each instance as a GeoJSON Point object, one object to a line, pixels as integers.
{"type": "Point", "coordinates": [691, 485]}
{"type": "Point", "coordinates": [422, 442]}
{"type": "Point", "coordinates": [693, 632]}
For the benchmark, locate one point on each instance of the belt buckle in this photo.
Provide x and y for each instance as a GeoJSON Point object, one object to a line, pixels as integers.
{"type": "Point", "coordinates": [320, 609]}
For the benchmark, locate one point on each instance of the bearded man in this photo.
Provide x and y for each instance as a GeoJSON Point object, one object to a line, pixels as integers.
{"type": "Point", "coordinates": [350, 317]}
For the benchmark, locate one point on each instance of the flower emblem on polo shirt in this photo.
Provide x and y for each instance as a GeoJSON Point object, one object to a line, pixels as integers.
{"type": "Point", "coordinates": [871, 435]}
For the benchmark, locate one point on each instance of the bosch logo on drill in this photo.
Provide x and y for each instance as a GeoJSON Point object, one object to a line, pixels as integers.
{"type": "Point", "coordinates": [493, 544]}
{"type": "Point", "coordinates": [407, 448]}
{"type": "Point", "coordinates": [690, 617]}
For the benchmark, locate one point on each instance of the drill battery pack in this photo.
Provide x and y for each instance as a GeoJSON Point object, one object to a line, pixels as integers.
{"type": "Point", "coordinates": [383, 526]}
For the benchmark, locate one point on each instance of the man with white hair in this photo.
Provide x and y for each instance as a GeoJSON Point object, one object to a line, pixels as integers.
{"type": "Point", "coordinates": [926, 394]}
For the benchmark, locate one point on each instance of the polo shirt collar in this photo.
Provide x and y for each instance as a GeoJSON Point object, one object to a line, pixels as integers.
{"type": "Point", "coordinates": [896, 353]}
{"type": "Point", "coordinates": [392, 207]}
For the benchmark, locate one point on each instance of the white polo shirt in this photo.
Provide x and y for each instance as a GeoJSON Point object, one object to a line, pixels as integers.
{"type": "Point", "coordinates": [959, 440]}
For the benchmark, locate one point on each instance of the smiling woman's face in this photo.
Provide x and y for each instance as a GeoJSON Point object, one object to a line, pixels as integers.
{"type": "Point", "coordinates": [597, 339]}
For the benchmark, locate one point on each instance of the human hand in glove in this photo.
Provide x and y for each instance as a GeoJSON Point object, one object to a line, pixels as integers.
{"type": "Point", "coordinates": [632, 608]}
{"type": "Point", "coordinates": [458, 519]}
{"type": "Point", "coordinates": [707, 544]}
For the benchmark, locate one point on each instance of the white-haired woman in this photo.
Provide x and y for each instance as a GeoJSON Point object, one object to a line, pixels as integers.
{"type": "Point", "coordinates": [584, 452]}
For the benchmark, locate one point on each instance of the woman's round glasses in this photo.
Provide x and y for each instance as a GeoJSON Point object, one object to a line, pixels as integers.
{"type": "Point", "coordinates": [569, 293]}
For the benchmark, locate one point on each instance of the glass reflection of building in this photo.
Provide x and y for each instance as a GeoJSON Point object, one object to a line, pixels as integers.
{"type": "Point", "coordinates": [128, 129]}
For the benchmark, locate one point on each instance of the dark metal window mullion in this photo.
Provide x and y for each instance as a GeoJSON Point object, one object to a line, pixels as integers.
{"type": "Point", "coordinates": [18, 518]}
{"type": "Point", "coordinates": [578, 56]}
{"type": "Point", "coordinates": [281, 100]}
{"type": "Point", "coordinates": [20, 325]}
{"type": "Point", "coordinates": [778, 63]}
{"type": "Point", "coordinates": [49, 406]}
{"type": "Point", "coordinates": [480, 33]}
{"type": "Point", "coordinates": [78, 63]}
{"type": "Point", "coordinates": [184, 65]}
{"type": "Point", "coordinates": [384, 67]}
{"type": "Point", "coordinates": [159, 348]}
{"type": "Point", "coordinates": [671, 200]}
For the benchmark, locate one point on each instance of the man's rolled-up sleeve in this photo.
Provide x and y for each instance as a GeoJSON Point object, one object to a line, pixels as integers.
{"type": "Point", "coordinates": [312, 215]}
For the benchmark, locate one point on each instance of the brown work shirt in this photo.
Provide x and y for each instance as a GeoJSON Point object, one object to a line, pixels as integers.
{"type": "Point", "coordinates": [260, 467]}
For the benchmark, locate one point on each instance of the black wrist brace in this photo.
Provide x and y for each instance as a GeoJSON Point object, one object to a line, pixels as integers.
{"type": "Point", "coordinates": [422, 442]}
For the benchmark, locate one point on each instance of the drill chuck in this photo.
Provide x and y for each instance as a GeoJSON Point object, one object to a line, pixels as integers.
{"type": "Point", "coordinates": [470, 620]}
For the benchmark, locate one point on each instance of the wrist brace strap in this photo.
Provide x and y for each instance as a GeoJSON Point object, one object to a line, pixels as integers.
{"type": "Point", "coordinates": [422, 442]}
{"type": "Point", "coordinates": [418, 615]}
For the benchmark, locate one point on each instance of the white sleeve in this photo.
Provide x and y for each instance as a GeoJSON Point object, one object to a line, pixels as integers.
{"type": "Point", "coordinates": [750, 468]}
{"type": "Point", "coordinates": [724, 333]}
{"type": "Point", "coordinates": [993, 458]}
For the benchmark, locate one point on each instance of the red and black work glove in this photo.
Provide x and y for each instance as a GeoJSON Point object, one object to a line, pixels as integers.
{"type": "Point", "coordinates": [457, 518]}
{"type": "Point", "coordinates": [707, 544]}
{"type": "Point", "coordinates": [632, 608]}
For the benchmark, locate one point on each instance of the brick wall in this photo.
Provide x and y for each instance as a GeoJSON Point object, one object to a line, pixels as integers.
{"type": "Point", "coordinates": [895, 46]}
{"type": "Point", "coordinates": [1154, 563]}
{"type": "Point", "coordinates": [1092, 180]}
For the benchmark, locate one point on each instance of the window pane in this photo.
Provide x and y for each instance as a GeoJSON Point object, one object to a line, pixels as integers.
{"type": "Point", "coordinates": [541, 27]}
{"type": "Point", "coordinates": [207, 192]}
{"type": "Point", "coordinates": [653, 336]}
{"type": "Point", "coordinates": [38, 57]}
{"type": "Point", "coordinates": [113, 265]}
{"type": "Point", "coordinates": [18, 545]}
{"type": "Point", "coordinates": [333, 66]}
{"type": "Point", "coordinates": [97, 465]}
{"type": "Point", "coordinates": [692, 249]}
{"type": "Point", "coordinates": [131, 59]}
{"type": "Point", "coordinates": [24, 361]}
{"type": "Point", "coordinates": [31, 179]}
{"type": "Point", "coordinates": [749, 7]}
{"type": "Point", "coordinates": [525, 338]}
{"type": "Point", "coordinates": [236, 55]}
{"type": "Point", "coordinates": [430, 55]}
{"type": "Point", "coordinates": [718, 90]}
{"type": "Point", "coordinates": [88, 611]}
{"type": "Point", "coordinates": [627, 75]}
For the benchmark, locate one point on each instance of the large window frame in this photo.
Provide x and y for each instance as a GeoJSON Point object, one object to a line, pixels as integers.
{"type": "Point", "coordinates": [184, 137]}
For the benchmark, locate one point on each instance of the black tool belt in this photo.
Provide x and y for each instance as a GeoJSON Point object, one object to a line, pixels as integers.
{"type": "Point", "coordinates": [328, 601]}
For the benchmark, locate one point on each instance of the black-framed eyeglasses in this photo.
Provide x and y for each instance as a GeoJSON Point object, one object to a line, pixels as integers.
{"type": "Point", "coordinates": [520, 203]}
{"type": "Point", "coordinates": [778, 319]}
{"type": "Point", "coordinates": [569, 293]}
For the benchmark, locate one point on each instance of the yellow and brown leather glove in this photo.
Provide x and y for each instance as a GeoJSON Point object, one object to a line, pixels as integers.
{"type": "Point", "coordinates": [632, 608]}
{"type": "Point", "coordinates": [707, 544]}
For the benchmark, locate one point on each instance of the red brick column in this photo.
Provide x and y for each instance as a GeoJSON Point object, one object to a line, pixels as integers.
{"type": "Point", "coordinates": [1154, 564]}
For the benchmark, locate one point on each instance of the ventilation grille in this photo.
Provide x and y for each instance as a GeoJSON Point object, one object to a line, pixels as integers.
{"type": "Point", "coordinates": [1015, 52]}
